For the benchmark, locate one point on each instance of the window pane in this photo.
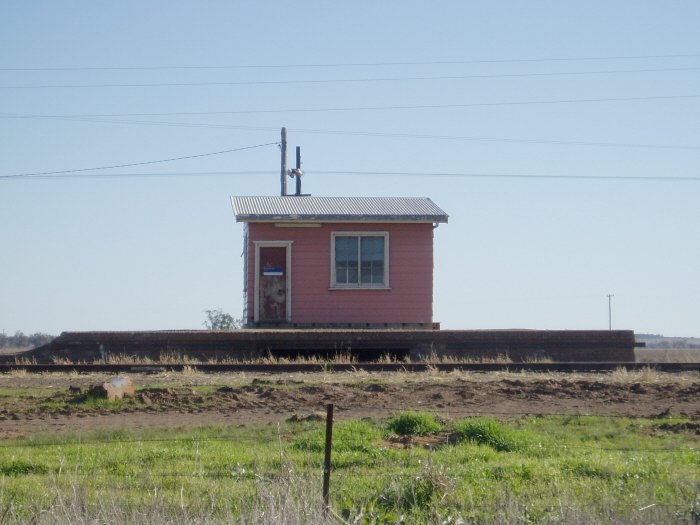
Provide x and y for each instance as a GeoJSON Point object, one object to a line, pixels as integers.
{"type": "Point", "coordinates": [372, 267]}
{"type": "Point", "coordinates": [346, 260]}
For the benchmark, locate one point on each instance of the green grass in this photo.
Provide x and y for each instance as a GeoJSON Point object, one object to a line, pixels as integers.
{"type": "Point", "coordinates": [412, 423]}
{"type": "Point", "coordinates": [488, 431]}
{"type": "Point", "coordinates": [525, 470]}
{"type": "Point", "coordinates": [26, 392]}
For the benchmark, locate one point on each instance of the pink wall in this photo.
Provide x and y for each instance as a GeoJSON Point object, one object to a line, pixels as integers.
{"type": "Point", "coordinates": [410, 299]}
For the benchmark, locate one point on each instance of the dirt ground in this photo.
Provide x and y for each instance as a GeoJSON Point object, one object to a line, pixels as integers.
{"type": "Point", "coordinates": [56, 403]}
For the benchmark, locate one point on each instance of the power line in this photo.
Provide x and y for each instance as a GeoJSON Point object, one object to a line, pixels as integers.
{"type": "Point", "coordinates": [64, 175]}
{"type": "Point", "coordinates": [375, 133]}
{"type": "Point", "coordinates": [363, 108]}
{"type": "Point", "coordinates": [494, 139]}
{"type": "Point", "coordinates": [352, 80]}
{"type": "Point", "coordinates": [61, 172]}
{"type": "Point", "coordinates": [137, 175]}
{"type": "Point", "coordinates": [352, 64]}
{"type": "Point", "coordinates": [511, 175]}
{"type": "Point", "coordinates": [95, 116]}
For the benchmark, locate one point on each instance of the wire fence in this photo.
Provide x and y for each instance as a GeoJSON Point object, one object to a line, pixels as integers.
{"type": "Point", "coordinates": [338, 454]}
{"type": "Point", "coordinates": [357, 437]}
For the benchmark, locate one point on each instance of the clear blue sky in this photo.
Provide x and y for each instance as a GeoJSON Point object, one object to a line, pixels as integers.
{"type": "Point", "coordinates": [128, 253]}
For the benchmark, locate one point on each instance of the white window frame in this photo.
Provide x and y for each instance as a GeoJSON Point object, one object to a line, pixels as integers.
{"type": "Point", "coordinates": [359, 285]}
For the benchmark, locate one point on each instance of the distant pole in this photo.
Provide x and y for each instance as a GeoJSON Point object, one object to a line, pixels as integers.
{"type": "Point", "coordinates": [610, 296]}
{"type": "Point", "coordinates": [283, 168]}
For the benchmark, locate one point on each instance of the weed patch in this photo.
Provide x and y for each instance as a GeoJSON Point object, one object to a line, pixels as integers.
{"type": "Point", "coordinates": [489, 432]}
{"type": "Point", "coordinates": [414, 424]}
{"type": "Point", "coordinates": [18, 467]}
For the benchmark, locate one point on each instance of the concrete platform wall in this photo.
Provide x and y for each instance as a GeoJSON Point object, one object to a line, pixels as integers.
{"type": "Point", "coordinates": [518, 345]}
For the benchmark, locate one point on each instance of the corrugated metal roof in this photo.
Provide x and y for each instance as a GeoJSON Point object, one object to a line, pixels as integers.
{"type": "Point", "coordinates": [304, 208]}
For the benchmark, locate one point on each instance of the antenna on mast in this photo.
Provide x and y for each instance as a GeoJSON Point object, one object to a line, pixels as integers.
{"type": "Point", "coordinates": [283, 166]}
{"type": "Point", "coordinates": [296, 172]}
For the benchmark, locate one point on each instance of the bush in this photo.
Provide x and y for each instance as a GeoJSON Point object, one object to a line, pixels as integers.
{"type": "Point", "coordinates": [218, 320]}
{"type": "Point", "coordinates": [488, 431]}
{"type": "Point", "coordinates": [20, 340]}
{"type": "Point", "coordinates": [413, 424]}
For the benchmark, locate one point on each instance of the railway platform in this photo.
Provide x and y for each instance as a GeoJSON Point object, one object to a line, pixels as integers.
{"type": "Point", "coordinates": [362, 344]}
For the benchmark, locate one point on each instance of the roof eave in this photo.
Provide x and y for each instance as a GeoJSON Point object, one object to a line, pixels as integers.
{"type": "Point", "coordinates": [340, 218]}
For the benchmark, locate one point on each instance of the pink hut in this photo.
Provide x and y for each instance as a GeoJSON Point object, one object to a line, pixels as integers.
{"type": "Point", "coordinates": [358, 262]}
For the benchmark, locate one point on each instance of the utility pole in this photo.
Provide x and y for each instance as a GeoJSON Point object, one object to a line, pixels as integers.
{"type": "Point", "coordinates": [610, 296]}
{"type": "Point", "coordinates": [283, 167]}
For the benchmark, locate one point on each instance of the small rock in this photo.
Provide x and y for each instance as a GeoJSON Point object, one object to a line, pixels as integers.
{"type": "Point", "coordinates": [113, 389]}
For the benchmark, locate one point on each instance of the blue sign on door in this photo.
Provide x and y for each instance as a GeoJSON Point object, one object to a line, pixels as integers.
{"type": "Point", "coordinates": [273, 270]}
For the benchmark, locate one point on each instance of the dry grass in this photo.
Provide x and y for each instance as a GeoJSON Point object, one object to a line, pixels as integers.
{"type": "Point", "coordinates": [344, 357]}
{"type": "Point", "coordinates": [25, 360]}
{"type": "Point", "coordinates": [18, 373]}
{"type": "Point", "coordinates": [192, 377]}
{"type": "Point", "coordinates": [646, 375]}
{"type": "Point", "coordinates": [293, 500]}
{"type": "Point", "coordinates": [435, 358]}
{"type": "Point", "coordinates": [667, 355]}
{"type": "Point", "coordinates": [188, 371]}
{"type": "Point", "coordinates": [642, 355]}
{"type": "Point", "coordinates": [282, 501]}
{"type": "Point", "coordinates": [164, 357]}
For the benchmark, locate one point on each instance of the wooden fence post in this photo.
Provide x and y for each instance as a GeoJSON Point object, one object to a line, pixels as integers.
{"type": "Point", "coordinates": [327, 460]}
